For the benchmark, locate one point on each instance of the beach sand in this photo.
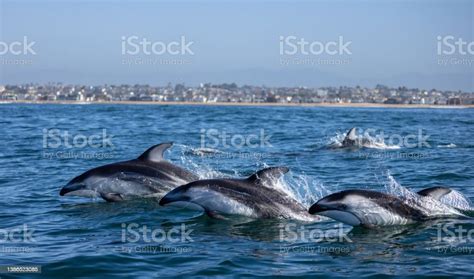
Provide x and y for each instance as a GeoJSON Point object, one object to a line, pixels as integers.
{"type": "Point", "coordinates": [368, 105]}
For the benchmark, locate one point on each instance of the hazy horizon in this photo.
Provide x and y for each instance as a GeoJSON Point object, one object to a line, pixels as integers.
{"type": "Point", "coordinates": [394, 43]}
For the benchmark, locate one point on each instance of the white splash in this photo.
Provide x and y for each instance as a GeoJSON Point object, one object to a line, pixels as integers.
{"type": "Point", "coordinates": [304, 188]}
{"type": "Point", "coordinates": [431, 207]}
{"type": "Point", "coordinates": [457, 200]}
{"type": "Point", "coordinates": [451, 145]}
{"type": "Point", "coordinates": [394, 188]}
{"type": "Point", "coordinates": [361, 141]}
{"type": "Point", "coordinates": [300, 187]}
{"type": "Point", "coordinates": [202, 170]}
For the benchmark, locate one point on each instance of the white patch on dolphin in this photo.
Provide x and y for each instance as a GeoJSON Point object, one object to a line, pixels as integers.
{"type": "Point", "coordinates": [251, 197]}
{"type": "Point", "coordinates": [216, 201]}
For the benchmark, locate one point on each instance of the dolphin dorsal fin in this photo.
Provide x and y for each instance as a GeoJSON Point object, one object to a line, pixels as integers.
{"type": "Point", "coordinates": [435, 192]}
{"type": "Point", "coordinates": [155, 153]}
{"type": "Point", "coordinates": [352, 134]}
{"type": "Point", "coordinates": [267, 175]}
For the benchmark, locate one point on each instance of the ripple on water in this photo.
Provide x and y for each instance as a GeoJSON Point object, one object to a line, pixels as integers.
{"type": "Point", "coordinates": [81, 236]}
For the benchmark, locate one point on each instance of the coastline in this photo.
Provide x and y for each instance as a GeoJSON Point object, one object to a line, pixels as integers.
{"type": "Point", "coordinates": [361, 105]}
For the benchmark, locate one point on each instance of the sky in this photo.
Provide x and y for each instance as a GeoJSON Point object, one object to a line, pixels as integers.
{"type": "Point", "coordinates": [395, 43]}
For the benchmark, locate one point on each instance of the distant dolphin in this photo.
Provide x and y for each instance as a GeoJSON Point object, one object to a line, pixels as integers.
{"type": "Point", "coordinates": [354, 141]}
{"type": "Point", "coordinates": [147, 176]}
{"type": "Point", "coordinates": [351, 138]}
{"type": "Point", "coordinates": [252, 197]}
{"type": "Point", "coordinates": [370, 208]}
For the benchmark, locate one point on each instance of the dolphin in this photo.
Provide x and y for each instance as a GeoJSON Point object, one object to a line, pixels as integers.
{"type": "Point", "coordinates": [354, 141]}
{"type": "Point", "coordinates": [351, 138]}
{"type": "Point", "coordinates": [371, 208]}
{"type": "Point", "coordinates": [252, 197]}
{"type": "Point", "coordinates": [149, 175]}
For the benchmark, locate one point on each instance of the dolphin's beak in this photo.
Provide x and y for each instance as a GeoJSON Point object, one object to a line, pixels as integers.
{"type": "Point", "coordinates": [71, 188]}
{"type": "Point", "coordinates": [173, 196]}
{"type": "Point", "coordinates": [319, 207]}
{"type": "Point", "coordinates": [169, 199]}
{"type": "Point", "coordinates": [165, 200]}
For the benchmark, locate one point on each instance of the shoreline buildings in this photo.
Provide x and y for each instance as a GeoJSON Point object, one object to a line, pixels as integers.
{"type": "Point", "coordinates": [232, 93]}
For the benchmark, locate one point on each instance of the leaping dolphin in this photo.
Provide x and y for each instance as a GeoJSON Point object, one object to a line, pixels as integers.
{"type": "Point", "coordinates": [147, 176]}
{"type": "Point", "coordinates": [354, 141]}
{"type": "Point", "coordinates": [351, 138]}
{"type": "Point", "coordinates": [251, 197]}
{"type": "Point", "coordinates": [371, 209]}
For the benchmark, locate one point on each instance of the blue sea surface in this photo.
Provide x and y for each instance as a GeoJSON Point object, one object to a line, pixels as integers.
{"type": "Point", "coordinates": [42, 147]}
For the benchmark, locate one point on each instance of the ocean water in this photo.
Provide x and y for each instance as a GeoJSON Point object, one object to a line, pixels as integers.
{"type": "Point", "coordinates": [43, 146]}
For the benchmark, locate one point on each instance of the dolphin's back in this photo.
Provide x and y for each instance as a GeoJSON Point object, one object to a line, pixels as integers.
{"type": "Point", "coordinates": [160, 170]}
